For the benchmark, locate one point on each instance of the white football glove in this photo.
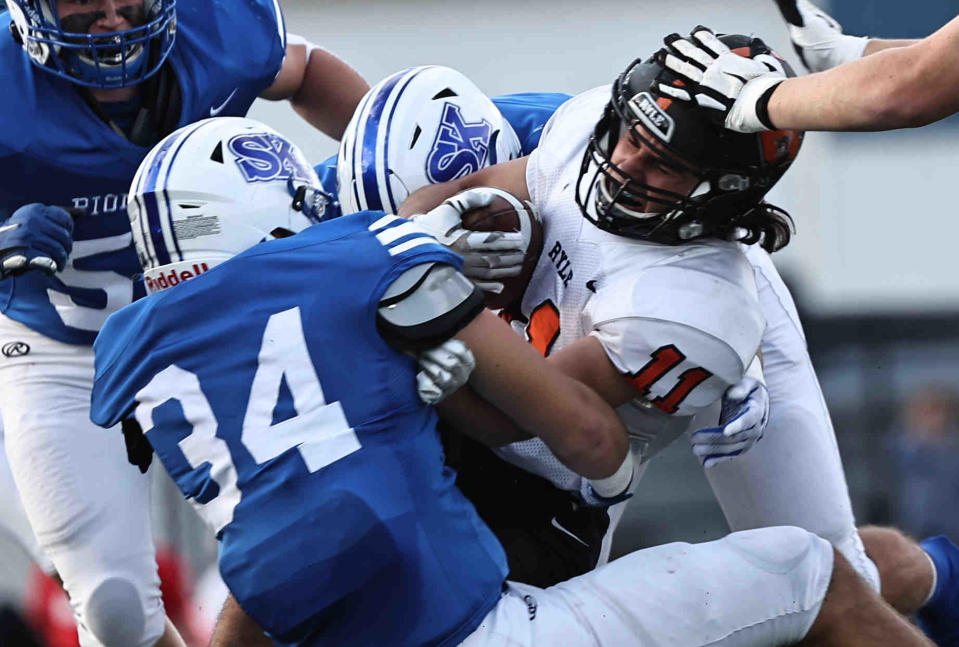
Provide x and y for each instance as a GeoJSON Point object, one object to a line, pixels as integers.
{"type": "Point", "coordinates": [742, 422]}
{"type": "Point", "coordinates": [443, 370]}
{"type": "Point", "coordinates": [735, 86]}
{"type": "Point", "coordinates": [817, 37]}
{"type": "Point", "coordinates": [487, 255]}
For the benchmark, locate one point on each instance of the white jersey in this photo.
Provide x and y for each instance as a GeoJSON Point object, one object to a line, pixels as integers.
{"type": "Point", "coordinates": [681, 322]}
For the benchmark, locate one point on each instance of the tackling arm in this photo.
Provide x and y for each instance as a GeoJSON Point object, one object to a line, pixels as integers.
{"type": "Point", "coordinates": [508, 176]}
{"type": "Point", "coordinates": [574, 422]}
{"type": "Point", "coordinates": [322, 88]}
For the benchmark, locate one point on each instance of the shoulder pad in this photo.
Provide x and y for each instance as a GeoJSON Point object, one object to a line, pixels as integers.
{"type": "Point", "coordinates": [426, 305]}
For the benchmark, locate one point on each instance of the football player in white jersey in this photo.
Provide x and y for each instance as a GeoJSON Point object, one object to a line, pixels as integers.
{"type": "Point", "coordinates": [624, 312]}
{"type": "Point", "coordinates": [877, 84]}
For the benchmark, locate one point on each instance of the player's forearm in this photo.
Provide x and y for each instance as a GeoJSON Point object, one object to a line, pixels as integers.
{"type": "Point", "coordinates": [896, 87]}
{"type": "Point", "coordinates": [581, 430]}
{"type": "Point", "coordinates": [469, 414]}
{"type": "Point", "coordinates": [235, 629]}
{"type": "Point", "coordinates": [509, 176]}
{"type": "Point", "coordinates": [879, 44]}
{"type": "Point", "coordinates": [330, 93]}
{"type": "Point", "coordinates": [429, 197]}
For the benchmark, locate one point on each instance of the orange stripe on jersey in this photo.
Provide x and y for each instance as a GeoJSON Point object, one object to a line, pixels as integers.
{"type": "Point", "coordinates": [543, 329]}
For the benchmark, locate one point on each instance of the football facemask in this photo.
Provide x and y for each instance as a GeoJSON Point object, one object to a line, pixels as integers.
{"type": "Point", "coordinates": [65, 47]}
{"type": "Point", "coordinates": [734, 170]}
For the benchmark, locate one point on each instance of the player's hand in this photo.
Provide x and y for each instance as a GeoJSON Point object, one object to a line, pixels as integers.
{"type": "Point", "coordinates": [35, 237]}
{"type": "Point", "coordinates": [735, 87]}
{"type": "Point", "coordinates": [443, 370]}
{"type": "Point", "coordinates": [742, 422]}
{"type": "Point", "coordinates": [139, 449]}
{"type": "Point", "coordinates": [817, 37]}
{"type": "Point", "coordinates": [487, 255]}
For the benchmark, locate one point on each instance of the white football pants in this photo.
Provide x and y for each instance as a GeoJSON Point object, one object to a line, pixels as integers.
{"type": "Point", "coordinates": [89, 508]}
{"type": "Point", "coordinates": [750, 589]}
{"type": "Point", "coordinates": [793, 476]}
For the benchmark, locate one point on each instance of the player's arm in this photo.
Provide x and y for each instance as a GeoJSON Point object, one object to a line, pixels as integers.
{"type": "Point", "coordinates": [322, 88]}
{"type": "Point", "coordinates": [508, 176]}
{"type": "Point", "coordinates": [511, 392]}
{"type": "Point", "coordinates": [574, 422]}
{"type": "Point", "coordinates": [896, 87]}
{"type": "Point", "coordinates": [901, 87]}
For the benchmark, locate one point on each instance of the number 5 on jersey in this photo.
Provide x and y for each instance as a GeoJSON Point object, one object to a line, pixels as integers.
{"type": "Point", "coordinates": [319, 431]}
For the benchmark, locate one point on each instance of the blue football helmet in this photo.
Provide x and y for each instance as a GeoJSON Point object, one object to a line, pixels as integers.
{"type": "Point", "coordinates": [108, 60]}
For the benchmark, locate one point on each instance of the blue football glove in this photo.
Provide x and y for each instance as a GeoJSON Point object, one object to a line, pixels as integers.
{"type": "Point", "coordinates": [35, 237]}
{"type": "Point", "coordinates": [742, 422]}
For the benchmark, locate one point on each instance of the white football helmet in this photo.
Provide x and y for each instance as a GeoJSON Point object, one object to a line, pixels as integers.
{"type": "Point", "coordinates": [420, 126]}
{"type": "Point", "coordinates": [211, 190]}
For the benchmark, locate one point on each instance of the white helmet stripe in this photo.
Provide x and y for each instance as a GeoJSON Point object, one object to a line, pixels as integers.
{"type": "Point", "coordinates": [161, 236]}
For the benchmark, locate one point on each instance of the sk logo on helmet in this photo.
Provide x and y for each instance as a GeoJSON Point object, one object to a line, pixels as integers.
{"type": "Point", "coordinates": [264, 157]}
{"type": "Point", "coordinates": [460, 147]}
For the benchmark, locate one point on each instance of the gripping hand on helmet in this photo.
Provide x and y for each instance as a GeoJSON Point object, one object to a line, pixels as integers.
{"type": "Point", "coordinates": [737, 88]}
{"type": "Point", "coordinates": [817, 37]}
{"type": "Point", "coordinates": [487, 255]}
{"type": "Point", "coordinates": [35, 237]}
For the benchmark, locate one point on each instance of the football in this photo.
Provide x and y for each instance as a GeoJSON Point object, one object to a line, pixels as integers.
{"type": "Point", "coordinates": [503, 215]}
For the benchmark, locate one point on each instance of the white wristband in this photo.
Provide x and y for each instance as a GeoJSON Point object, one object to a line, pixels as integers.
{"type": "Point", "coordinates": [616, 484]}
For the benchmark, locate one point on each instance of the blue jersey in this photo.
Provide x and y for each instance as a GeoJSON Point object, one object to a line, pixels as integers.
{"type": "Point", "coordinates": [275, 405]}
{"type": "Point", "coordinates": [56, 150]}
{"type": "Point", "coordinates": [526, 112]}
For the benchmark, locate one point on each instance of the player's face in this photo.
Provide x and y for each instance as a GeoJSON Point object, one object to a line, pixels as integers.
{"type": "Point", "coordinates": [100, 16]}
{"type": "Point", "coordinates": [637, 155]}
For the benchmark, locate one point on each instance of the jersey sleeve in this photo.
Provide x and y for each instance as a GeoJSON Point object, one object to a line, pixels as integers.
{"type": "Point", "coordinates": [563, 137]}
{"type": "Point", "coordinates": [528, 113]}
{"type": "Point", "coordinates": [118, 350]}
{"type": "Point", "coordinates": [681, 338]}
{"type": "Point", "coordinates": [426, 305]}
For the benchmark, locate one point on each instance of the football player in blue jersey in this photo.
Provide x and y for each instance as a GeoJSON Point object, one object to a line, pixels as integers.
{"type": "Point", "coordinates": [89, 87]}
{"type": "Point", "coordinates": [287, 411]}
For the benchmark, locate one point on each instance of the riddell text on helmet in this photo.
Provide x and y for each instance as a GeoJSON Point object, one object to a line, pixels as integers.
{"type": "Point", "coordinates": [173, 277]}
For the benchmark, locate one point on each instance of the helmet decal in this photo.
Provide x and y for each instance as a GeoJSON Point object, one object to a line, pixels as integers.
{"type": "Point", "coordinates": [190, 207]}
{"type": "Point", "coordinates": [264, 157]}
{"type": "Point", "coordinates": [417, 127]}
{"type": "Point", "coordinates": [460, 147]}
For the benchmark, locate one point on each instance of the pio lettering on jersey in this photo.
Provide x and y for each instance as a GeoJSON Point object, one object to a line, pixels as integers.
{"type": "Point", "coordinates": [169, 275]}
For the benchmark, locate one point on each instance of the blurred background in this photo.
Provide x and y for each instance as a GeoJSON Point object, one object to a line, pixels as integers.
{"type": "Point", "coordinates": [871, 266]}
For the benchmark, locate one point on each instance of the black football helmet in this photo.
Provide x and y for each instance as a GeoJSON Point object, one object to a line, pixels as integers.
{"type": "Point", "coordinates": [735, 170]}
